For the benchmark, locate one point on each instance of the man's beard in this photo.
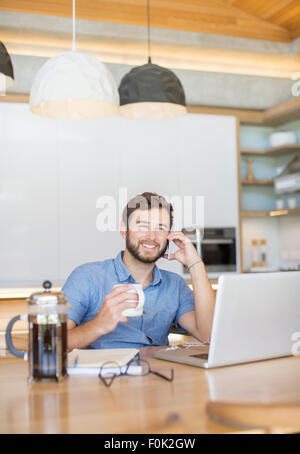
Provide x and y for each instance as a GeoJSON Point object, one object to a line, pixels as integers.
{"type": "Point", "coordinates": [134, 250]}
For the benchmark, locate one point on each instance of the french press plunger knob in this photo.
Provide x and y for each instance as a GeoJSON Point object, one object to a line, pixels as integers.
{"type": "Point", "coordinates": [47, 285]}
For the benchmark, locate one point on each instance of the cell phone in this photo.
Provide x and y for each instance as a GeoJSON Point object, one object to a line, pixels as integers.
{"type": "Point", "coordinates": [169, 249]}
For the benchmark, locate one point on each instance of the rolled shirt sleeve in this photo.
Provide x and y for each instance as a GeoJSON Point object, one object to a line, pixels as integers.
{"type": "Point", "coordinates": [77, 291]}
{"type": "Point", "coordinates": [186, 303]}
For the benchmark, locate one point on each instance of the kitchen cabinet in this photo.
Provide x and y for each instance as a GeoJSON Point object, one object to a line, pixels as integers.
{"type": "Point", "coordinates": [56, 177]}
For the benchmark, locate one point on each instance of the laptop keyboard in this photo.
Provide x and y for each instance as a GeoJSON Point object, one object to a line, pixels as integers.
{"type": "Point", "coordinates": [200, 356]}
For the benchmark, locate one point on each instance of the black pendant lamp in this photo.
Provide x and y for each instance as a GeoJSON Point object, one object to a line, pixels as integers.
{"type": "Point", "coordinates": [151, 91]}
{"type": "Point", "coordinates": [6, 70]}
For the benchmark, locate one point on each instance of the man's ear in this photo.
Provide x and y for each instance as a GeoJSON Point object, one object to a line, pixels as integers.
{"type": "Point", "coordinates": [123, 230]}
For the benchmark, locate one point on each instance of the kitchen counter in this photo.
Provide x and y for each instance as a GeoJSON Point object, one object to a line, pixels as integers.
{"type": "Point", "coordinates": [21, 292]}
{"type": "Point", "coordinates": [214, 283]}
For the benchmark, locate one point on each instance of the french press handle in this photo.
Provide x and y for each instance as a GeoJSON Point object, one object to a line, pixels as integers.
{"type": "Point", "coordinates": [8, 338]}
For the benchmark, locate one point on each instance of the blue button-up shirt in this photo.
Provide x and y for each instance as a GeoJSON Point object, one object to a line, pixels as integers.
{"type": "Point", "coordinates": [167, 298]}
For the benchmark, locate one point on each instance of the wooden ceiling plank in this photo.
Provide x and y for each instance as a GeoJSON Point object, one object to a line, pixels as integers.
{"type": "Point", "coordinates": [284, 13]}
{"type": "Point", "coordinates": [288, 15]}
{"type": "Point", "coordinates": [198, 16]}
{"type": "Point", "coordinates": [231, 2]}
{"type": "Point", "coordinates": [254, 7]}
{"type": "Point", "coordinates": [277, 8]}
{"type": "Point", "coordinates": [293, 21]}
{"type": "Point", "coordinates": [296, 33]}
{"type": "Point", "coordinates": [250, 25]}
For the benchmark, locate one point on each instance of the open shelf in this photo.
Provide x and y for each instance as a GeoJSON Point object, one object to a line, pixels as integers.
{"type": "Point", "coordinates": [274, 151]}
{"type": "Point", "coordinates": [269, 182]}
{"type": "Point", "coordinates": [287, 212]}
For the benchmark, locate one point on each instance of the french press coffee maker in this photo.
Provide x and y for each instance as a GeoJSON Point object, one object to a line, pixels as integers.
{"type": "Point", "coordinates": [47, 317]}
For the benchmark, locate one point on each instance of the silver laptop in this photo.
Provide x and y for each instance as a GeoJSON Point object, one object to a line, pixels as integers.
{"type": "Point", "coordinates": [255, 318]}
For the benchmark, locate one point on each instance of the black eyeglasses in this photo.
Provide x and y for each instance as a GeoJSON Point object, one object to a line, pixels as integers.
{"type": "Point", "coordinates": [136, 367]}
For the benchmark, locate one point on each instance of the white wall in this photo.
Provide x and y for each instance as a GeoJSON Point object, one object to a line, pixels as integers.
{"type": "Point", "coordinates": [53, 172]}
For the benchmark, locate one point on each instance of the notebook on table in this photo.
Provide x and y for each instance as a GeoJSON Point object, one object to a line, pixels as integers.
{"type": "Point", "coordinates": [89, 361]}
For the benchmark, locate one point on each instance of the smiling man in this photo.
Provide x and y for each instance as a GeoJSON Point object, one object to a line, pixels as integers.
{"type": "Point", "coordinates": [95, 318]}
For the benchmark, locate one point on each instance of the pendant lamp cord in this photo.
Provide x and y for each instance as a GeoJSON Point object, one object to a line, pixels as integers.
{"type": "Point", "coordinates": [74, 29]}
{"type": "Point", "coordinates": [148, 20]}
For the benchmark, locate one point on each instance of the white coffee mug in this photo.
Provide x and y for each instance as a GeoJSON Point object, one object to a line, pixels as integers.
{"type": "Point", "coordinates": [134, 311]}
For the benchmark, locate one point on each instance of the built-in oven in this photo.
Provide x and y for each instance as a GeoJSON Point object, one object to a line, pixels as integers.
{"type": "Point", "coordinates": [217, 248]}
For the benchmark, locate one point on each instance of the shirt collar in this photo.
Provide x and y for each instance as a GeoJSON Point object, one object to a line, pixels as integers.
{"type": "Point", "coordinates": [124, 274]}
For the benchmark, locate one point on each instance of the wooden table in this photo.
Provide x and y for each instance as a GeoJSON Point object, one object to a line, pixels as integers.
{"type": "Point", "coordinates": [138, 404]}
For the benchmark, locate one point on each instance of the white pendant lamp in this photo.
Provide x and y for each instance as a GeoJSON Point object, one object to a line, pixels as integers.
{"type": "Point", "coordinates": [74, 85]}
{"type": "Point", "coordinates": [151, 91]}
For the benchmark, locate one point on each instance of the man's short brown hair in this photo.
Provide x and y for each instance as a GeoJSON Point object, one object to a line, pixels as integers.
{"type": "Point", "coordinates": [146, 201]}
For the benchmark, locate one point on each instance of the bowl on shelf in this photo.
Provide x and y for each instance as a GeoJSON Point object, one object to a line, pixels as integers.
{"type": "Point", "coordinates": [292, 203]}
{"type": "Point", "coordinates": [279, 204]}
{"type": "Point", "coordinates": [278, 139]}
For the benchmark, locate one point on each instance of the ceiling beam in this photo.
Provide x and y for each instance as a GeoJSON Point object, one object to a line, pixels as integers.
{"type": "Point", "coordinates": [134, 52]}
{"type": "Point", "coordinates": [213, 16]}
